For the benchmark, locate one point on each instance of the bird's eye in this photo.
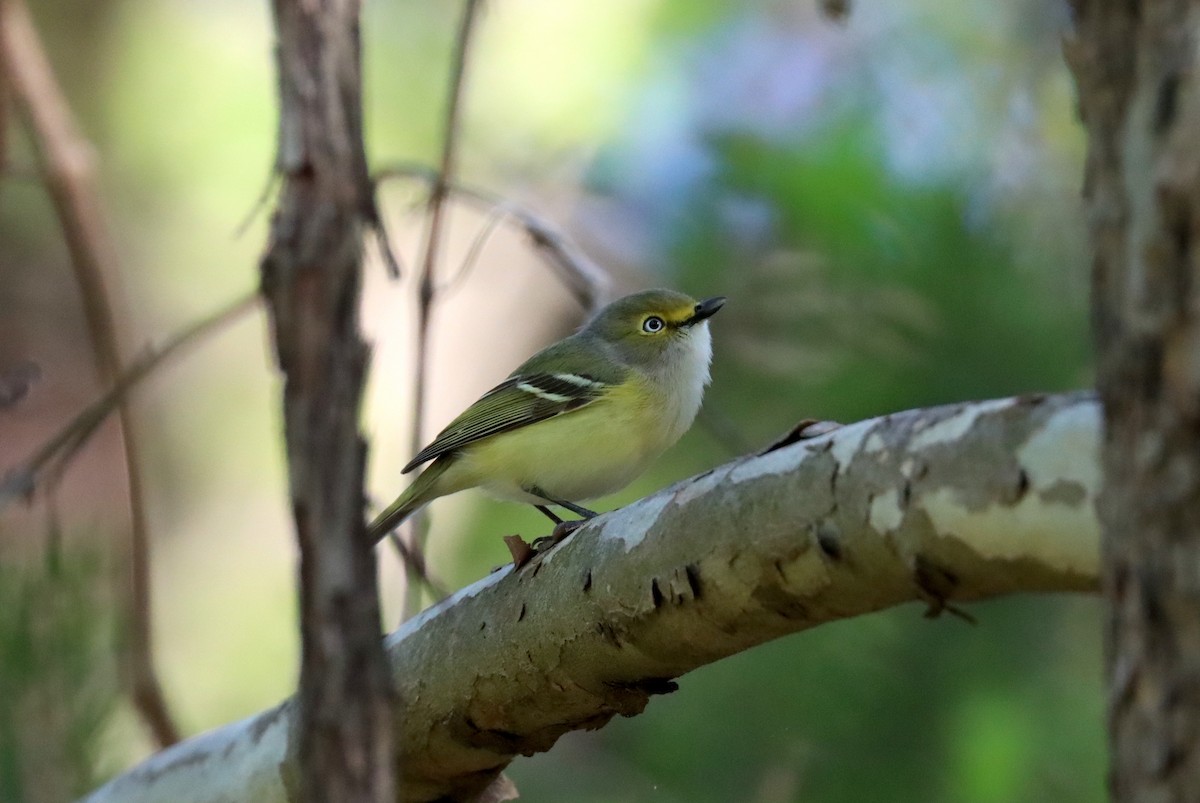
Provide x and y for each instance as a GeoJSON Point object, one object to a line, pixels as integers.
{"type": "Point", "coordinates": [653, 324]}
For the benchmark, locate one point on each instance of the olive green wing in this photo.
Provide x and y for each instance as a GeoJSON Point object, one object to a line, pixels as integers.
{"type": "Point", "coordinates": [542, 388]}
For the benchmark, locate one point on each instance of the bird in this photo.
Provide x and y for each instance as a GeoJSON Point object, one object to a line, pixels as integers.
{"type": "Point", "coordinates": [581, 418]}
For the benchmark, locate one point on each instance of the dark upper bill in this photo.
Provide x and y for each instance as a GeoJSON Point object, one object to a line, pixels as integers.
{"type": "Point", "coordinates": [706, 309]}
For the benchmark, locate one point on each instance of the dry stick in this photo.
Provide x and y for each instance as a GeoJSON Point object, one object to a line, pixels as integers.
{"type": "Point", "coordinates": [435, 208]}
{"type": "Point", "coordinates": [586, 280]}
{"type": "Point", "coordinates": [56, 453]}
{"type": "Point", "coordinates": [65, 161]}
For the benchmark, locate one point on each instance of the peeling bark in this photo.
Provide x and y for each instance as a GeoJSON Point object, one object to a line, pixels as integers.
{"type": "Point", "coordinates": [1139, 94]}
{"type": "Point", "coordinates": [943, 506]}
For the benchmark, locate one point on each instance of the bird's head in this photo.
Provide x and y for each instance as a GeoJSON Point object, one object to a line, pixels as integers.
{"type": "Point", "coordinates": [654, 326]}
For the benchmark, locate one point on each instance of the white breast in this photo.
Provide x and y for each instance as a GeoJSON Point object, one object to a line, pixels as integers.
{"type": "Point", "coordinates": [685, 374]}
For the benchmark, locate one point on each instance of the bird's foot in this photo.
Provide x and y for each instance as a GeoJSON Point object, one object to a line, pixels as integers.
{"type": "Point", "coordinates": [578, 510]}
{"type": "Point", "coordinates": [561, 532]}
{"type": "Point", "coordinates": [523, 552]}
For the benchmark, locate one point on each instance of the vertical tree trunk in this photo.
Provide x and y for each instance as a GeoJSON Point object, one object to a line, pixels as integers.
{"type": "Point", "coordinates": [311, 279]}
{"type": "Point", "coordinates": [1135, 67]}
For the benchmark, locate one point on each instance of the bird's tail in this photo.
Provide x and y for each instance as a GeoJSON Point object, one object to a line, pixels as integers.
{"type": "Point", "coordinates": [420, 493]}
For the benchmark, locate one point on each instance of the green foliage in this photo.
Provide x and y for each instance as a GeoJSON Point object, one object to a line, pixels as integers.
{"type": "Point", "coordinates": [57, 690]}
{"type": "Point", "coordinates": [888, 707]}
{"type": "Point", "coordinates": [868, 293]}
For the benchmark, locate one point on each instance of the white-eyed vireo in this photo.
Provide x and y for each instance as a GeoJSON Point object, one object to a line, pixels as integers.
{"type": "Point", "coordinates": [579, 419]}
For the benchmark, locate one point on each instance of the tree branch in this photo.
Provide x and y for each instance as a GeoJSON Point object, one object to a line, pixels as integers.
{"type": "Point", "coordinates": [66, 164]}
{"type": "Point", "coordinates": [587, 281]}
{"type": "Point", "coordinates": [954, 503]}
{"type": "Point", "coordinates": [53, 457]}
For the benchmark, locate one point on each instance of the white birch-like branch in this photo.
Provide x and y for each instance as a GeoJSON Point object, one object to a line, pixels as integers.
{"type": "Point", "coordinates": [942, 505]}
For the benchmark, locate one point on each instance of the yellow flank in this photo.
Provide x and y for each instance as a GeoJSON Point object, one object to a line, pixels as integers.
{"type": "Point", "coordinates": [575, 456]}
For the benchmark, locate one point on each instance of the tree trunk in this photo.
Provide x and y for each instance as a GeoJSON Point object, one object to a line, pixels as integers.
{"type": "Point", "coordinates": [1135, 66]}
{"type": "Point", "coordinates": [311, 281]}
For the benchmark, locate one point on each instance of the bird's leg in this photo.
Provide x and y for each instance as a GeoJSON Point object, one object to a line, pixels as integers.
{"type": "Point", "coordinates": [579, 510]}
{"type": "Point", "coordinates": [561, 528]}
{"type": "Point", "coordinates": [550, 514]}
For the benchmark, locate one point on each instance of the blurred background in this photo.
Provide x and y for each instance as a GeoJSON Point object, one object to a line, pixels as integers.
{"type": "Point", "coordinates": [890, 201]}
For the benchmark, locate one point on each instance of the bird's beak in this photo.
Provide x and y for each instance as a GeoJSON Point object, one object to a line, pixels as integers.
{"type": "Point", "coordinates": [706, 309]}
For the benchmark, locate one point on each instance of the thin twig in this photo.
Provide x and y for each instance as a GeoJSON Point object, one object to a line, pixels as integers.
{"type": "Point", "coordinates": [586, 280]}
{"type": "Point", "coordinates": [4, 118]}
{"type": "Point", "coordinates": [412, 558]}
{"type": "Point", "coordinates": [65, 161]}
{"type": "Point", "coordinates": [55, 454]}
{"type": "Point", "coordinates": [383, 242]}
{"type": "Point", "coordinates": [260, 203]}
{"type": "Point", "coordinates": [478, 243]}
{"type": "Point", "coordinates": [426, 290]}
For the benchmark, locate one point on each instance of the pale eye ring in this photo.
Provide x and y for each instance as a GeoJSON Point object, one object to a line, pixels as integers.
{"type": "Point", "coordinates": [653, 325]}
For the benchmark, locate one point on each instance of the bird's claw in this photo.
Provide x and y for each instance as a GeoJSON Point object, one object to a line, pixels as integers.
{"type": "Point", "coordinates": [523, 552]}
{"type": "Point", "coordinates": [561, 532]}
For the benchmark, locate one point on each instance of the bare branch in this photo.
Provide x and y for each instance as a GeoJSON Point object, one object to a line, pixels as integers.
{"type": "Point", "coordinates": [949, 504]}
{"type": "Point", "coordinates": [586, 280]}
{"type": "Point", "coordinates": [66, 163]}
{"type": "Point", "coordinates": [55, 454]}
